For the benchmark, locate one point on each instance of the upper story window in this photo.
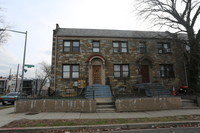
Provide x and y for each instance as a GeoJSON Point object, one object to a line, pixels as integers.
{"type": "Point", "coordinates": [166, 71]}
{"type": "Point", "coordinates": [70, 71]}
{"type": "Point", "coordinates": [142, 47]}
{"type": "Point", "coordinates": [96, 46]}
{"type": "Point", "coordinates": [71, 46]}
{"type": "Point", "coordinates": [121, 71]}
{"type": "Point", "coordinates": [164, 48]}
{"type": "Point", "coordinates": [120, 47]}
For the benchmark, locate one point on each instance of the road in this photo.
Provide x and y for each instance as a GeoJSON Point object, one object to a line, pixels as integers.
{"type": "Point", "coordinates": [163, 130]}
{"type": "Point", "coordinates": [2, 106]}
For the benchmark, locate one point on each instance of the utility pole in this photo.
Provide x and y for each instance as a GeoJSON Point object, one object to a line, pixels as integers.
{"type": "Point", "coordinates": [17, 78]}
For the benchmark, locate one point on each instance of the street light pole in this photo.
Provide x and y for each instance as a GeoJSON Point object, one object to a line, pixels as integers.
{"type": "Point", "coordinates": [24, 56]}
{"type": "Point", "coordinates": [21, 87]}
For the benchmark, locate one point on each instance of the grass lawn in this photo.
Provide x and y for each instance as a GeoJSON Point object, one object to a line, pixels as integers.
{"type": "Point", "coordinates": [76, 122]}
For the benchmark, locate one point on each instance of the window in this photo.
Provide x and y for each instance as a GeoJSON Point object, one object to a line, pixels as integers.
{"type": "Point", "coordinates": [71, 46]}
{"type": "Point", "coordinates": [70, 71]}
{"type": "Point", "coordinates": [121, 71]}
{"type": "Point", "coordinates": [166, 71]}
{"type": "Point", "coordinates": [120, 46]}
{"type": "Point", "coordinates": [164, 48]}
{"type": "Point", "coordinates": [96, 46]}
{"type": "Point", "coordinates": [142, 47]}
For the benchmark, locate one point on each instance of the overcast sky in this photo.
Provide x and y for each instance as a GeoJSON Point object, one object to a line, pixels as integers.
{"type": "Point", "coordinates": [39, 18]}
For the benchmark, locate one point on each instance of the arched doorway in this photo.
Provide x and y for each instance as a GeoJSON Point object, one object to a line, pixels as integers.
{"type": "Point", "coordinates": [145, 64]}
{"type": "Point", "coordinates": [96, 70]}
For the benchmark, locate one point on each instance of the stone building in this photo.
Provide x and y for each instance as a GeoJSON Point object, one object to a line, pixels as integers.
{"type": "Point", "coordinates": [116, 57]}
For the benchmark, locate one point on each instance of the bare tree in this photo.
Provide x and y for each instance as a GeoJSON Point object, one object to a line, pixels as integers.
{"type": "Point", "coordinates": [183, 16]}
{"type": "Point", "coordinates": [3, 35]}
{"type": "Point", "coordinates": [44, 75]}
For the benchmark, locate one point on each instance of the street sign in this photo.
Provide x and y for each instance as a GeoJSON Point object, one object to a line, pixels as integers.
{"type": "Point", "coordinates": [29, 66]}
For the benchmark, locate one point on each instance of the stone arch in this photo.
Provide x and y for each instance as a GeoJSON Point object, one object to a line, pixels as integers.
{"type": "Point", "coordinates": [96, 69]}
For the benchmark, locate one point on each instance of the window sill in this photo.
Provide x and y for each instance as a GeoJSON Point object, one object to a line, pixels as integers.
{"type": "Point", "coordinates": [72, 52]}
{"type": "Point", "coordinates": [122, 78]}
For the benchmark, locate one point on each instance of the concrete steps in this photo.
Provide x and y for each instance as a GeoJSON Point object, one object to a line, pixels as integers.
{"type": "Point", "coordinates": [189, 104]}
{"type": "Point", "coordinates": [98, 91]}
{"type": "Point", "coordinates": [105, 105]}
{"type": "Point", "coordinates": [154, 89]}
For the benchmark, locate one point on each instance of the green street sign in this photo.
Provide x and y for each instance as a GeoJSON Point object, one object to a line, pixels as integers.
{"type": "Point", "coordinates": [29, 66]}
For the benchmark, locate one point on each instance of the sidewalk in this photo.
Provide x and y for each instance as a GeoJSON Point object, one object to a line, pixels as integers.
{"type": "Point", "coordinates": [8, 115]}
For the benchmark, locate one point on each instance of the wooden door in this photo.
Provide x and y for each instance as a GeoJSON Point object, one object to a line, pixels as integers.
{"type": "Point", "coordinates": [145, 73]}
{"type": "Point", "coordinates": [97, 74]}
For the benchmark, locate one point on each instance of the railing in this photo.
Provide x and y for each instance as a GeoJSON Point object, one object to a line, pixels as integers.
{"type": "Point", "coordinates": [124, 93]}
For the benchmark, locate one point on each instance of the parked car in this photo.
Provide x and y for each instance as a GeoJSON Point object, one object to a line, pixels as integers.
{"type": "Point", "coordinates": [9, 98]}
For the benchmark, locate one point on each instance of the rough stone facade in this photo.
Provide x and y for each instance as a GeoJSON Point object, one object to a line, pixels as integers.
{"type": "Point", "coordinates": [107, 58]}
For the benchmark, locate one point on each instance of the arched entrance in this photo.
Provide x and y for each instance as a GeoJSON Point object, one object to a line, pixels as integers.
{"type": "Point", "coordinates": [96, 70]}
{"type": "Point", "coordinates": [145, 64]}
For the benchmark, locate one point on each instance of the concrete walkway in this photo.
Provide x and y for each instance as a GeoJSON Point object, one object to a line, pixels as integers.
{"type": "Point", "coordinates": [8, 115]}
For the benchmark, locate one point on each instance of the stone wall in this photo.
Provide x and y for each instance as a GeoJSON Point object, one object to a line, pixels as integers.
{"type": "Point", "coordinates": [147, 104]}
{"type": "Point", "coordinates": [47, 105]}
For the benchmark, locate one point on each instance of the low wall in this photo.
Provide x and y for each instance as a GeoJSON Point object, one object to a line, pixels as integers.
{"type": "Point", "coordinates": [61, 105]}
{"type": "Point", "coordinates": [147, 104]}
{"type": "Point", "coordinates": [198, 101]}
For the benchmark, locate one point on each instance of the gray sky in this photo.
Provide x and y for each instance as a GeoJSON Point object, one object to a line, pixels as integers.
{"type": "Point", "coordinates": [39, 18]}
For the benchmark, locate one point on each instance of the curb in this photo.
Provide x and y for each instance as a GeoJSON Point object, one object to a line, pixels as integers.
{"type": "Point", "coordinates": [118, 127]}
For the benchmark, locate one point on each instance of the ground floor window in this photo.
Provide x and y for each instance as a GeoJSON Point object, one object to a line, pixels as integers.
{"type": "Point", "coordinates": [121, 71]}
{"type": "Point", "coordinates": [70, 71]}
{"type": "Point", "coordinates": [166, 71]}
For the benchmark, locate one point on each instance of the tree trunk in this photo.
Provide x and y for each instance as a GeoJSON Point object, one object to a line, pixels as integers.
{"type": "Point", "coordinates": [193, 64]}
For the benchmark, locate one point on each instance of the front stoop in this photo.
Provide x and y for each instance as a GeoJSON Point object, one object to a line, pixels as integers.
{"type": "Point", "coordinates": [105, 105]}
{"type": "Point", "coordinates": [189, 104]}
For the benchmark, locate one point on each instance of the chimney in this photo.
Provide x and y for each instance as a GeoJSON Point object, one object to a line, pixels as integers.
{"type": "Point", "coordinates": [57, 26]}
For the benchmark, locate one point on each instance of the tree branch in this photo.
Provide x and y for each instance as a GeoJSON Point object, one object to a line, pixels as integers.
{"type": "Point", "coordinates": [195, 16]}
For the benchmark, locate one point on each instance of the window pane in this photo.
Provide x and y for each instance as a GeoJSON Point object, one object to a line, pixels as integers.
{"type": "Point", "coordinates": [159, 46]}
{"type": "Point", "coordinates": [125, 68]}
{"type": "Point", "coordinates": [162, 73]}
{"type": "Point", "coordinates": [142, 47]}
{"type": "Point", "coordinates": [66, 49]}
{"type": "Point", "coordinates": [116, 67]}
{"type": "Point", "coordinates": [76, 49]}
{"type": "Point", "coordinates": [141, 44]}
{"type": "Point", "coordinates": [117, 74]}
{"type": "Point", "coordinates": [125, 74]}
{"type": "Point", "coordinates": [162, 67]}
{"type": "Point", "coordinates": [95, 49]}
{"type": "Point", "coordinates": [115, 44]}
{"type": "Point", "coordinates": [75, 74]}
{"type": "Point", "coordinates": [124, 44]}
{"type": "Point", "coordinates": [75, 68]}
{"type": "Point", "coordinates": [66, 68]}
{"type": "Point", "coordinates": [165, 46]}
{"type": "Point", "coordinates": [66, 74]}
{"type": "Point", "coordinates": [116, 50]}
{"type": "Point", "coordinates": [124, 50]}
{"type": "Point", "coordinates": [67, 43]}
{"type": "Point", "coordinates": [76, 43]}
{"type": "Point", "coordinates": [95, 44]}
